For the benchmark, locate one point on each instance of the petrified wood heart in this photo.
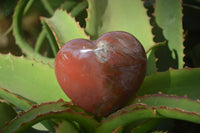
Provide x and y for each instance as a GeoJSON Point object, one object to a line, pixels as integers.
{"type": "Point", "coordinates": [101, 76]}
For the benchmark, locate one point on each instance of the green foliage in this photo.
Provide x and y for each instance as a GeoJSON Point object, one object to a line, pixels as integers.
{"type": "Point", "coordinates": [17, 31]}
{"type": "Point", "coordinates": [171, 23]}
{"type": "Point", "coordinates": [66, 126]}
{"type": "Point", "coordinates": [146, 125]}
{"type": "Point", "coordinates": [183, 104]}
{"type": "Point", "coordinates": [30, 79]}
{"type": "Point", "coordinates": [177, 82]}
{"type": "Point", "coordinates": [64, 27]}
{"type": "Point", "coordinates": [28, 82]}
{"type": "Point", "coordinates": [14, 99]}
{"type": "Point", "coordinates": [153, 106]}
{"type": "Point", "coordinates": [59, 110]}
{"type": "Point", "coordinates": [7, 113]}
{"type": "Point", "coordinates": [125, 116]}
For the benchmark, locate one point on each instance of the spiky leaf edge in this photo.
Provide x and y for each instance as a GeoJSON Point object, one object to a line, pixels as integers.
{"type": "Point", "coordinates": [57, 110]}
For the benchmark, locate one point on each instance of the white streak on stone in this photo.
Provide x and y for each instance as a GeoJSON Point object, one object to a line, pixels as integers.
{"type": "Point", "coordinates": [65, 56]}
{"type": "Point", "coordinates": [85, 50]}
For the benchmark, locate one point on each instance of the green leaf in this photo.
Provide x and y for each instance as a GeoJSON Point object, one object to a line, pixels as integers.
{"type": "Point", "coordinates": [125, 116]}
{"type": "Point", "coordinates": [179, 114]}
{"type": "Point", "coordinates": [47, 6]}
{"type": "Point", "coordinates": [79, 8]}
{"type": "Point", "coordinates": [17, 27]}
{"type": "Point", "coordinates": [57, 110]}
{"type": "Point", "coordinates": [30, 79]}
{"type": "Point", "coordinates": [50, 6]}
{"type": "Point", "coordinates": [17, 32]}
{"type": "Point", "coordinates": [51, 38]}
{"type": "Point", "coordinates": [146, 126]}
{"type": "Point", "coordinates": [64, 27]}
{"type": "Point", "coordinates": [151, 66]}
{"type": "Point", "coordinates": [169, 18]}
{"type": "Point", "coordinates": [66, 127]}
{"type": "Point", "coordinates": [177, 82]}
{"type": "Point", "coordinates": [170, 102]}
{"type": "Point", "coordinates": [15, 100]}
{"type": "Point", "coordinates": [156, 106]}
{"type": "Point", "coordinates": [40, 40]}
{"type": "Point", "coordinates": [171, 106]}
{"type": "Point", "coordinates": [118, 15]}
{"type": "Point", "coordinates": [7, 113]}
{"type": "Point", "coordinates": [69, 5]}
{"type": "Point", "coordinates": [20, 104]}
{"type": "Point", "coordinates": [164, 59]}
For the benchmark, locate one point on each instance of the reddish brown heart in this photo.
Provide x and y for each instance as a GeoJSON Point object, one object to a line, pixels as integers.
{"type": "Point", "coordinates": [101, 76]}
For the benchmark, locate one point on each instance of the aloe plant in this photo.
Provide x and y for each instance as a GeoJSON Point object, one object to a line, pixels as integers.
{"type": "Point", "coordinates": [31, 99]}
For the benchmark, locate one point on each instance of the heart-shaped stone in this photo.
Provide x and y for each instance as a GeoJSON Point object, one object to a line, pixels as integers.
{"type": "Point", "coordinates": [101, 76]}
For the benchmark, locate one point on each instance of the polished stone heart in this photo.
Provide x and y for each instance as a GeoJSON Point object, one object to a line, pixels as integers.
{"type": "Point", "coordinates": [101, 76]}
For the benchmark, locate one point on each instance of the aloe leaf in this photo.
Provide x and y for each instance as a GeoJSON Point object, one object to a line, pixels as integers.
{"type": "Point", "coordinates": [177, 82]}
{"type": "Point", "coordinates": [17, 28]}
{"type": "Point", "coordinates": [151, 66]}
{"type": "Point", "coordinates": [56, 110]}
{"type": "Point", "coordinates": [7, 113]}
{"type": "Point", "coordinates": [47, 6]}
{"type": "Point", "coordinates": [164, 59]}
{"type": "Point", "coordinates": [183, 104]}
{"type": "Point", "coordinates": [169, 18]}
{"type": "Point", "coordinates": [32, 80]}
{"type": "Point", "coordinates": [67, 127]}
{"type": "Point", "coordinates": [64, 27]}
{"type": "Point", "coordinates": [79, 8]}
{"type": "Point", "coordinates": [40, 40]}
{"type": "Point", "coordinates": [20, 104]}
{"type": "Point", "coordinates": [125, 116]}
{"type": "Point", "coordinates": [157, 106]}
{"type": "Point", "coordinates": [117, 15]}
{"type": "Point", "coordinates": [50, 29]}
{"type": "Point", "coordinates": [15, 100]}
{"type": "Point", "coordinates": [52, 5]}
{"type": "Point", "coordinates": [146, 126]}
{"type": "Point", "coordinates": [171, 106]}
{"type": "Point", "coordinates": [179, 114]}
{"type": "Point", "coordinates": [69, 5]}
{"type": "Point", "coordinates": [51, 38]}
{"type": "Point", "coordinates": [17, 32]}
